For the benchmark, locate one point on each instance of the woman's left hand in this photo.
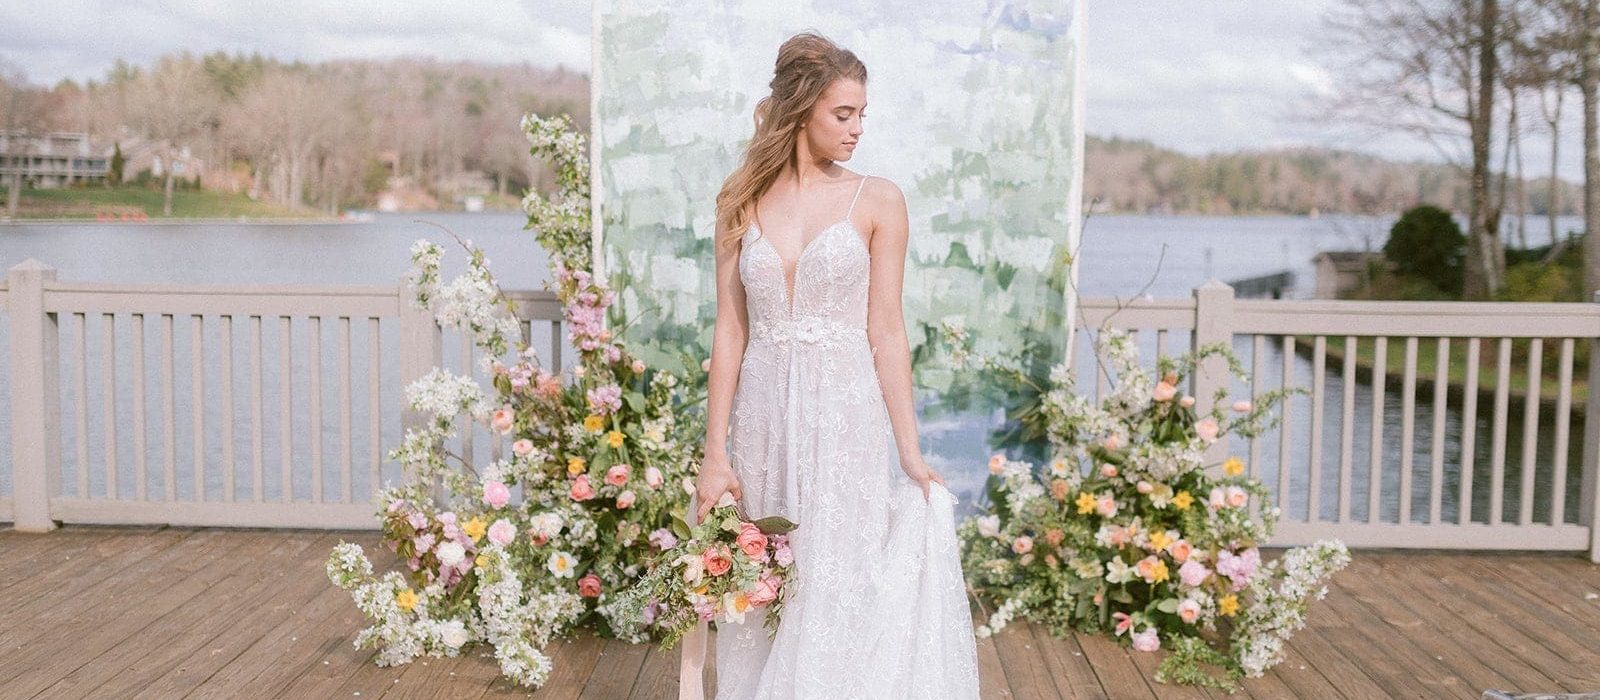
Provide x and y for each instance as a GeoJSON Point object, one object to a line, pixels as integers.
{"type": "Point", "coordinates": [922, 474]}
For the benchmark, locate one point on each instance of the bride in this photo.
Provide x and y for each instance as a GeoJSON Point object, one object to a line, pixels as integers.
{"type": "Point", "coordinates": [811, 416]}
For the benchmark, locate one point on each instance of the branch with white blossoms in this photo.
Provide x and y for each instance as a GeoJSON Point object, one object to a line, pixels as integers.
{"type": "Point", "coordinates": [562, 223]}
{"type": "Point", "coordinates": [520, 630]}
{"type": "Point", "coordinates": [403, 627]}
{"type": "Point", "coordinates": [472, 303]}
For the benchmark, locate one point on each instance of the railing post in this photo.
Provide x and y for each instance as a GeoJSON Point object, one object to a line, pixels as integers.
{"type": "Point", "coordinates": [35, 397]}
{"type": "Point", "coordinates": [1588, 513]}
{"type": "Point", "coordinates": [421, 350]}
{"type": "Point", "coordinates": [1213, 323]}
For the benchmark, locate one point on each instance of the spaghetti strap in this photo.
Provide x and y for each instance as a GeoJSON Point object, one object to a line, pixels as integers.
{"type": "Point", "coordinates": [858, 196]}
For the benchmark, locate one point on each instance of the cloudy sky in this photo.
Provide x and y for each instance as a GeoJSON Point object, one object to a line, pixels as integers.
{"type": "Point", "coordinates": [1196, 77]}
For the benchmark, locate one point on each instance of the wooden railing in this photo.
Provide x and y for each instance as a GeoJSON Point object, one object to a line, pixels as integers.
{"type": "Point", "coordinates": [276, 453]}
{"type": "Point", "coordinates": [219, 405]}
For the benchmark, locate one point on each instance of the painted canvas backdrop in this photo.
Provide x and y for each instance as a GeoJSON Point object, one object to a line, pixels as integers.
{"type": "Point", "coordinates": [975, 111]}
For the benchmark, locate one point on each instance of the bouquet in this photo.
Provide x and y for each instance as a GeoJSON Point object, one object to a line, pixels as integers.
{"type": "Point", "coordinates": [721, 570]}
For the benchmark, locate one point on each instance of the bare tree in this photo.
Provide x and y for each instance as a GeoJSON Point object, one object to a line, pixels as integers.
{"type": "Point", "coordinates": [172, 105]}
{"type": "Point", "coordinates": [1427, 68]}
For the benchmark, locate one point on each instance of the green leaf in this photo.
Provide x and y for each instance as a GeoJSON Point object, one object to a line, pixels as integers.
{"type": "Point", "coordinates": [635, 401]}
{"type": "Point", "coordinates": [680, 527]}
{"type": "Point", "coordinates": [1168, 605]}
{"type": "Point", "coordinates": [775, 525]}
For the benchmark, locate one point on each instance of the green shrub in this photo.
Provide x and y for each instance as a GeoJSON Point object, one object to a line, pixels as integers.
{"type": "Point", "coordinates": [1426, 243]}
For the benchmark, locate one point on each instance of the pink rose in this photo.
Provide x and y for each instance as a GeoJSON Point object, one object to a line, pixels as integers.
{"type": "Point", "coordinates": [751, 540]}
{"type": "Point", "coordinates": [1163, 391]}
{"type": "Point", "coordinates": [1242, 406]}
{"type": "Point", "coordinates": [653, 477]}
{"type": "Point", "coordinates": [538, 538]}
{"type": "Point", "coordinates": [617, 475]}
{"type": "Point", "coordinates": [1147, 640]}
{"type": "Point", "coordinates": [1189, 610]}
{"type": "Point", "coordinates": [1207, 429]}
{"type": "Point", "coordinates": [522, 447]}
{"type": "Point", "coordinates": [1144, 487]}
{"type": "Point", "coordinates": [1236, 497]}
{"type": "Point", "coordinates": [638, 366]}
{"type": "Point", "coordinates": [496, 494]}
{"type": "Point", "coordinates": [1193, 573]}
{"type": "Point", "coordinates": [1022, 545]}
{"type": "Point", "coordinates": [1108, 470]}
{"type": "Point", "coordinates": [1186, 402]}
{"type": "Point", "coordinates": [766, 591]}
{"type": "Point", "coordinates": [589, 586]}
{"type": "Point", "coordinates": [581, 490]}
{"type": "Point", "coordinates": [1106, 507]}
{"type": "Point", "coordinates": [625, 499]}
{"type": "Point", "coordinates": [997, 464]}
{"type": "Point", "coordinates": [717, 560]}
{"type": "Point", "coordinates": [503, 420]}
{"type": "Point", "coordinates": [502, 532]}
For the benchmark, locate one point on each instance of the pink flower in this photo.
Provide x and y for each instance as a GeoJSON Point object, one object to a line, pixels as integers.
{"type": "Point", "coordinates": [1163, 391]}
{"type": "Point", "coordinates": [653, 477]}
{"type": "Point", "coordinates": [625, 499]}
{"type": "Point", "coordinates": [1186, 402]}
{"type": "Point", "coordinates": [522, 447]}
{"type": "Point", "coordinates": [1113, 441]}
{"type": "Point", "coordinates": [589, 586]}
{"type": "Point", "coordinates": [547, 386]}
{"type": "Point", "coordinates": [448, 517]}
{"type": "Point", "coordinates": [707, 610]}
{"type": "Point", "coordinates": [1218, 499]}
{"type": "Point", "coordinates": [1242, 406]}
{"type": "Point", "coordinates": [1144, 487]}
{"type": "Point", "coordinates": [717, 560]}
{"type": "Point", "coordinates": [751, 541]}
{"type": "Point", "coordinates": [997, 463]}
{"type": "Point", "coordinates": [1188, 610]}
{"type": "Point", "coordinates": [1108, 470]}
{"type": "Point", "coordinates": [396, 505]}
{"type": "Point", "coordinates": [538, 538]}
{"type": "Point", "coordinates": [663, 539]}
{"type": "Point", "coordinates": [605, 400]}
{"type": "Point", "coordinates": [1239, 567]}
{"type": "Point", "coordinates": [638, 366]}
{"type": "Point", "coordinates": [502, 532]}
{"type": "Point", "coordinates": [424, 542]}
{"type": "Point", "coordinates": [417, 520]}
{"type": "Point", "coordinates": [1236, 497]}
{"type": "Point", "coordinates": [617, 475]}
{"type": "Point", "coordinates": [1106, 507]}
{"type": "Point", "coordinates": [503, 420]}
{"type": "Point", "coordinates": [1147, 640]}
{"type": "Point", "coordinates": [1121, 622]}
{"type": "Point", "coordinates": [783, 555]}
{"type": "Point", "coordinates": [414, 563]}
{"type": "Point", "coordinates": [766, 591]}
{"type": "Point", "coordinates": [496, 494]}
{"type": "Point", "coordinates": [581, 490]}
{"type": "Point", "coordinates": [1022, 545]}
{"type": "Point", "coordinates": [1207, 429]}
{"type": "Point", "coordinates": [1193, 573]}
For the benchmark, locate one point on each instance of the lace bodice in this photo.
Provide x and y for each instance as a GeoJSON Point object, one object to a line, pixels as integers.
{"type": "Point", "coordinates": [827, 299]}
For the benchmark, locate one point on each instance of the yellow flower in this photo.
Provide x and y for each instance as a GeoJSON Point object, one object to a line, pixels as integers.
{"type": "Point", "coordinates": [475, 528]}
{"type": "Point", "coordinates": [1159, 540]}
{"type": "Point", "coordinates": [406, 599]}
{"type": "Point", "coordinates": [1233, 467]}
{"type": "Point", "coordinates": [482, 560]}
{"type": "Point", "coordinates": [1085, 503]}
{"type": "Point", "coordinates": [594, 423]}
{"type": "Point", "coordinates": [614, 438]}
{"type": "Point", "coordinates": [1183, 500]}
{"type": "Point", "coordinates": [1228, 604]}
{"type": "Point", "coordinates": [575, 465]}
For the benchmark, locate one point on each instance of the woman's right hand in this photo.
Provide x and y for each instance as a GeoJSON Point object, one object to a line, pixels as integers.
{"type": "Point", "coordinates": [715, 479]}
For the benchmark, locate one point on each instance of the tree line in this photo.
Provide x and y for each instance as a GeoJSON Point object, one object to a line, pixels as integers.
{"type": "Point", "coordinates": [323, 134]}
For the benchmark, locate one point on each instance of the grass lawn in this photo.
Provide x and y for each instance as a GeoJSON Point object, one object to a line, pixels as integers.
{"type": "Point", "coordinates": [1427, 353]}
{"type": "Point", "coordinates": [91, 202]}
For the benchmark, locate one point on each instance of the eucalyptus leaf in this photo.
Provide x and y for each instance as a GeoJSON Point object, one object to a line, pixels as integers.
{"type": "Point", "coordinates": [775, 525]}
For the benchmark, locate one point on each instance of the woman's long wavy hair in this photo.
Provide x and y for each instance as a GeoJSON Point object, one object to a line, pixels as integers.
{"type": "Point", "coordinates": [807, 64]}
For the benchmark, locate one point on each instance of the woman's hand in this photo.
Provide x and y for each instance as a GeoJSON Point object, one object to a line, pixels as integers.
{"type": "Point", "coordinates": [715, 479]}
{"type": "Point", "coordinates": [921, 473]}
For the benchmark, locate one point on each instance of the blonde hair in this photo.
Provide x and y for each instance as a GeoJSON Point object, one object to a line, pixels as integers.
{"type": "Point", "coordinates": [807, 64]}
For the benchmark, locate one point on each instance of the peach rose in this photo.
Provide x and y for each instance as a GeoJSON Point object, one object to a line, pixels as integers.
{"type": "Point", "coordinates": [503, 419]}
{"type": "Point", "coordinates": [1242, 406]}
{"type": "Point", "coordinates": [1022, 545]}
{"type": "Point", "coordinates": [1054, 536]}
{"type": "Point", "coordinates": [1207, 429]}
{"type": "Point", "coordinates": [1059, 489]}
{"type": "Point", "coordinates": [1163, 391]}
{"type": "Point", "coordinates": [718, 560]}
{"type": "Point", "coordinates": [522, 447]}
{"type": "Point", "coordinates": [766, 591]}
{"type": "Point", "coordinates": [1144, 487]}
{"type": "Point", "coordinates": [589, 586]}
{"type": "Point", "coordinates": [997, 464]}
{"type": "Point", "coordinates": [1179, 550]}
{"type": "Point", "coordinates": [625, 499]}
{"type": "Point", "coordinates": [1186, 402]}
{"type": "Point", "coordinates": [581, 490]}
{"type": "Point", "coordinates": [1108, 470]}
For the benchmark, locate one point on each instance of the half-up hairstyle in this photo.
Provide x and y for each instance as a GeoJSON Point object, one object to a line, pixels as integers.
{"type": "Point", "coordinates": [807, 64]}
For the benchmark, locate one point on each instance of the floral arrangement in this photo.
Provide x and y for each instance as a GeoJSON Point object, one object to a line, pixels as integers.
{"type": "Point", "coordinates": [525, 548]}
{"type": "Point", "coordinates": [1126, 531]}
{"type": "Point", "coordinates": [722, 569]}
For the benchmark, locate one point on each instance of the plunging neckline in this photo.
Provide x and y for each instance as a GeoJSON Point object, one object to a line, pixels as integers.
{"type": "Point", "coordinates": [783, 265]}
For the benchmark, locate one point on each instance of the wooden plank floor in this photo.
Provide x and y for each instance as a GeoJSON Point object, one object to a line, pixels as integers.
{"type": "Point", "coordinates": [224, 613]}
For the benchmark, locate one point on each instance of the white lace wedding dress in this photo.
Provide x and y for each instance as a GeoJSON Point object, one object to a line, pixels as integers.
{"type": "Point", "coordinates": [878, 608]}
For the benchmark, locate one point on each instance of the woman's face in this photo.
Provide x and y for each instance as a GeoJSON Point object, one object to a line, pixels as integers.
{"type": "Point", "coordinates": [834, 126]}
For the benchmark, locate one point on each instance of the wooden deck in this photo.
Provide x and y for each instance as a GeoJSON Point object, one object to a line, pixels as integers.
{"type": "Point", "coordinates": [215, 613]}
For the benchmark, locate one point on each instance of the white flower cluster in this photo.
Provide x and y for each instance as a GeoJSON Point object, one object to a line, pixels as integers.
{"type": "Point", "coordinates": [399, 635]}
{"type": "Point", "coordinates": [1000, 617]}
{"type": "Point", "coordinates": [443, 395]}
{"type": "Point", "coordinates": [424, 277]}
{"type": "Point", "coordinates": [1133, 384]}
{"type": "Point", "coordinates": [518, 630]}
{"type": "Point", "coordinates": [469, 303]}
{"type": "Point", "coordinates": [1278, 604]}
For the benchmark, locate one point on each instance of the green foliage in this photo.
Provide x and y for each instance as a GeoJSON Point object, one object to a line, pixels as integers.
{"type": "Point", "coordinates": [119, 162]}
{"type": "Point", "coordinates": [1426, 243]}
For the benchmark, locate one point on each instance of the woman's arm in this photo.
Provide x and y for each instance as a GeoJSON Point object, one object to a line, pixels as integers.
{"type": "Point", "coordinates": [727, 354]}
{"type": "Point", "coordinates": [886, 325]}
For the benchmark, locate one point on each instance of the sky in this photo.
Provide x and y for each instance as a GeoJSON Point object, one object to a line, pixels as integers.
{"type": "Point", "coordinates": [1221, 75]}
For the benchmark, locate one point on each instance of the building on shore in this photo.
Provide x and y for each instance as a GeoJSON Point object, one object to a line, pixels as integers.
{"type": "Point", "coordinates": [1340, 272]}
{"type": "Point", "coordinates": [53, 159]}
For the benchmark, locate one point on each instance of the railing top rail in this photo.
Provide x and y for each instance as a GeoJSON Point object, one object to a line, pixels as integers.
{"type": "Point", "coordinates": [1416, 318]}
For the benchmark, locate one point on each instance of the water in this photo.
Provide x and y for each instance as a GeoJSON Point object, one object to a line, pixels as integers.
{"type": "Point", "coordinates": [1121, 256]}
